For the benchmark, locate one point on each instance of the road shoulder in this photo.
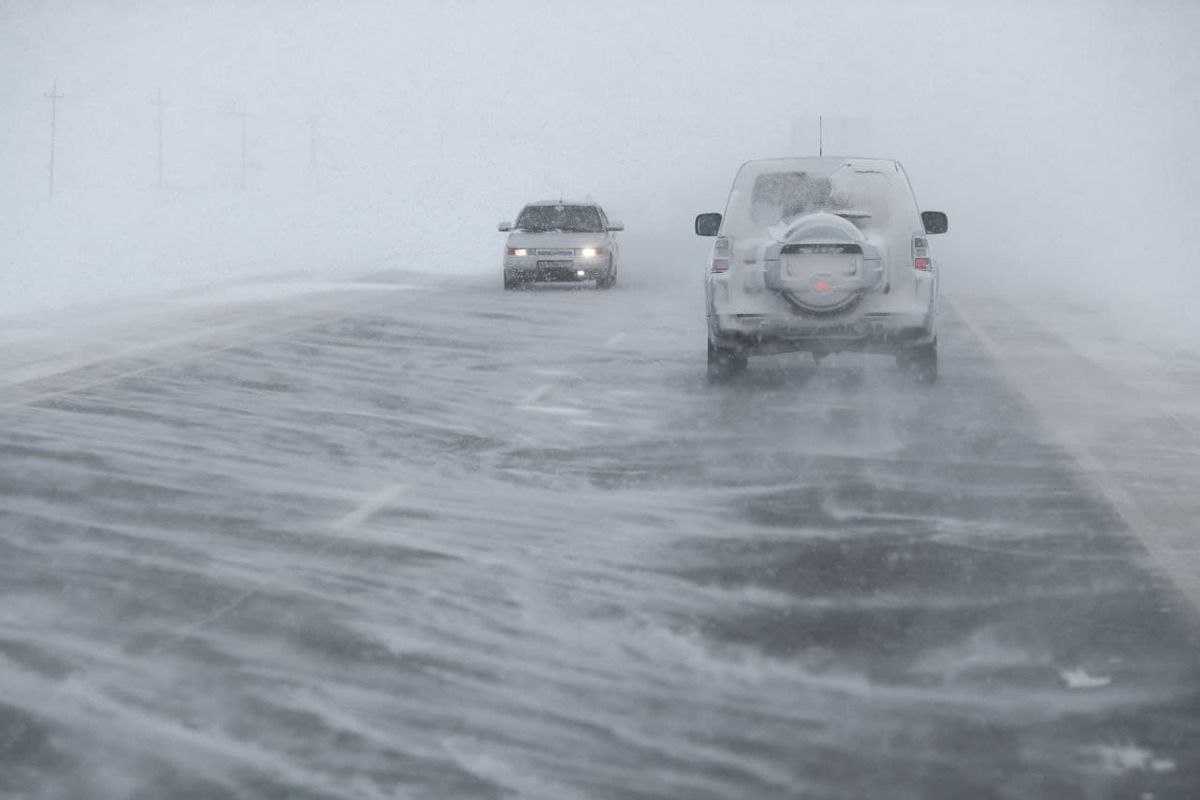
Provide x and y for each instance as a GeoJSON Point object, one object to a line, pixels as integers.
{"type": "Point", "coordinates": [1125, 414]}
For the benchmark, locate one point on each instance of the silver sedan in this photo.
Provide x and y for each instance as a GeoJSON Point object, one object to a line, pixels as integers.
{"type": "Point", "coordinates": [560, 241]}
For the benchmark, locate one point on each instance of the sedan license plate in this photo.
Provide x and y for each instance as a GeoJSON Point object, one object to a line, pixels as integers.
{"type": "Point", "coordinates": [554, 264]}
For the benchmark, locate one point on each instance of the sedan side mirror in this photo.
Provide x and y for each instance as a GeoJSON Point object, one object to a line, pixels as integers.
{"type": "Point", "coordinates": [935, 221]}
{"type": "Point", "coordinates": [616, 226]}
{"type": "Point", "coordinates": [505, 227]}
{"type": "Point", "coordinates": [708, 224]}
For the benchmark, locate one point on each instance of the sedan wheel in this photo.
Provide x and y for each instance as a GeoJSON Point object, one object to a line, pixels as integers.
{"type": "Point", "coordinates": [608, 279]}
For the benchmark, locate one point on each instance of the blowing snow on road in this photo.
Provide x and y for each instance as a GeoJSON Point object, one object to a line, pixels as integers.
{"type": "Point", "coordinates": [363, 548]}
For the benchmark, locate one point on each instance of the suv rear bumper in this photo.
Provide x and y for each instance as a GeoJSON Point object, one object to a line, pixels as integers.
{"type": "Point", "coordinates": [888, 333]}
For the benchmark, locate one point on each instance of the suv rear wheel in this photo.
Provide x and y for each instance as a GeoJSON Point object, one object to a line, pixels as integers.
{"type": "Point", "coordinates": [725, 363]}
{"type": "Point", "coordinates": [921, 362]}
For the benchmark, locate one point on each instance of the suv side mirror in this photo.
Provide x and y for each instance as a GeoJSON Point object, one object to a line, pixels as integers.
{"type": "Point", "coordinates": [708, 224]}
{"type": "Point", "coordinates": [505, 227]}
{"type": "Point", "coordinates": [616, 225]}
{"type": "Point", "coordinates": [935, 221]}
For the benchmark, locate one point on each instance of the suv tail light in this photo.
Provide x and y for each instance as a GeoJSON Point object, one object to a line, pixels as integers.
{"type": "Point", "coordinates": [720, 256]}
{"type": "Point", "coordinates": [920, 252]}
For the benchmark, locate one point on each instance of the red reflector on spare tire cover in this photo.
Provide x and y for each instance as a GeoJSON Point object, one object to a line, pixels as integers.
{"type": "Point", "coordinates": [821, 285]}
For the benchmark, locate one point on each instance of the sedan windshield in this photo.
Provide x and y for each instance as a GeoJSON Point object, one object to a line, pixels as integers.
{"type": "Point", "coordinates": [572, 219]}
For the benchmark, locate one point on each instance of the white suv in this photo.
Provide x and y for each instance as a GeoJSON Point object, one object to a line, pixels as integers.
{"type": "Point", "coordinates": [822, 255]}
{"type": "Point", "coordinates": [559, 241]}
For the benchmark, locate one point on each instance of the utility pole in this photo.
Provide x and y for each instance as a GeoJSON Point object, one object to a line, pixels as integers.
{"type": "Point", "coordinates": [158, 101]}
{"type": "Point", "coordinates": [314, 176]}
{"type": "Point", "coordinates": [242, 114]}
{"type": "Point", "coordinates": [53, 97]}
{"type": "Point", "coordinates": [239, 111]}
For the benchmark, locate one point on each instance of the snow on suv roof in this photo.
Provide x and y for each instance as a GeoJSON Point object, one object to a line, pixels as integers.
{"type": "Point", "coordinates": [562, 203]}
{"type": "Point", "coordinates": [828, 162]}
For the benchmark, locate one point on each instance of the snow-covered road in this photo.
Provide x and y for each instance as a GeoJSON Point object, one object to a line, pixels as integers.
{"type": "Point", "coordinates": [354, 541]}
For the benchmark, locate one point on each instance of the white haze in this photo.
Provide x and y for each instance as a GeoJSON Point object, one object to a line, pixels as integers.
{"type": "Point", "coordinates": [1057, 136]}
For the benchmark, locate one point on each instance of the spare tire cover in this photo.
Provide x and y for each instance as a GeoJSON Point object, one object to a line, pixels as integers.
{"type": "Point", "coordinates": [829, 278]}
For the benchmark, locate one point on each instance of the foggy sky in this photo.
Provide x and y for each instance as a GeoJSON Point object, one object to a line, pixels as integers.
{"type": "Point", "coordinates": [1059, 140]}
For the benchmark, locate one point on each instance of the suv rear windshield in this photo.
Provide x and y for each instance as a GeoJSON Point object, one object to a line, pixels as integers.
{"type": "Point", "coordinates": [572, 219]}
{"type": "Point", "coordinates": [768, 194]}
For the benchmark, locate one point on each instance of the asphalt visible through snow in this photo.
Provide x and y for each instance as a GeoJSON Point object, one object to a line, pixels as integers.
{"type": "Point", "coordinates": [457, 542]}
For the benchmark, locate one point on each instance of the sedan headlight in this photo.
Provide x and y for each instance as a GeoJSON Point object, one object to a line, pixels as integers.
{"type": "Point", "coordinates": [518, 251]}
{"type": "Point", "coordinates": [591, 252]}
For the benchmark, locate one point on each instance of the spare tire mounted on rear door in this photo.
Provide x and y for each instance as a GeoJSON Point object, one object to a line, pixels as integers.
{"type": "Point", "coordinates": [822, 264]}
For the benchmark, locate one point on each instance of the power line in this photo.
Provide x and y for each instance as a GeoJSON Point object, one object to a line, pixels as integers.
{"type": "Point", "coordinates": [53, 96]}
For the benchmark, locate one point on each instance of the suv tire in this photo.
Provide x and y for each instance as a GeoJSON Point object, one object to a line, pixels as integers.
{"type": "Point", "coordinates": [921, 362]}
{"type": "Point", "coordinates": [725, 363]}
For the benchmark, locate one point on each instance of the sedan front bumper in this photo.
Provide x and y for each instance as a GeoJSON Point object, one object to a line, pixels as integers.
{"type": "Point", "coordinates": [564, 270]}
